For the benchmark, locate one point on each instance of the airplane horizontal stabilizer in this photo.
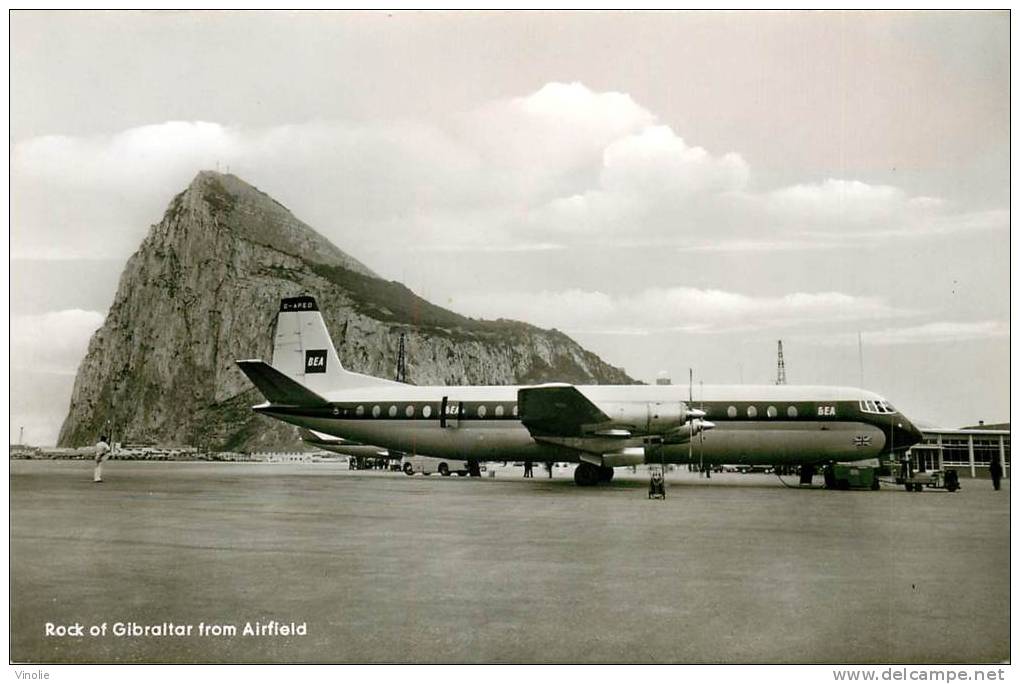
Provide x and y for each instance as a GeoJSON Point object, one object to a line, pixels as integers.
{"type": "Point", "coordinates": [319, 438]}
{"type": "Point", "coordinates": [277, 387]}
{"type": "Point", "coordinates": [309, 436]}
{"type": "Point", "coordinates": [557, 410]}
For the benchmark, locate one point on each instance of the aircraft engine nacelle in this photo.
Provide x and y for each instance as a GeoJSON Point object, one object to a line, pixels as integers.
{"type": "Point", "coordinates": [652, 418]}
{"type": "Point", "coordinates": [665, 416]}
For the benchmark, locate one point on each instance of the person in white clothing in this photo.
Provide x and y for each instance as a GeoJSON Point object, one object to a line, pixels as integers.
{"type": "Point", "coordinates": [102, 453]}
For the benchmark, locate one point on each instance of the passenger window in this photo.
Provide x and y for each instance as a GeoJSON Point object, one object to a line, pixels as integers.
{"type": "Point", "coordinates": [393, 411]}
{"type": "Point", "coordinates": [499, 410]}
{"type": "Point", "coordinates": [732, 412]}
{"type": "Point", "coordinates": [481, 411]}
{"type": "Point", "coordinates": [426, 411]}
{"type": "Point", "coordinates": [791, 411]}
{"type": "Point", "coordinates": [771, 411]}
{"type": "Point", "coordinates": [376, 411]}
{"type": "Point", "coordinates": [514, 412]}
{"type": "Point", "coordinates": [752, 412]}
{"type": "Point", "coordinates": [360, 411]}
{"type": "Point", "coordinates": [409, 411]}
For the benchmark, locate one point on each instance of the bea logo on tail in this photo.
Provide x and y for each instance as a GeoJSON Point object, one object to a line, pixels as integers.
{"type": "Point", "coordinates": [315, 361]}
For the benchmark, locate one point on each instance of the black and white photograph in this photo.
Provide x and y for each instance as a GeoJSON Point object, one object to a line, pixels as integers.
{"type": "Point", "coordinates": [510, 337]}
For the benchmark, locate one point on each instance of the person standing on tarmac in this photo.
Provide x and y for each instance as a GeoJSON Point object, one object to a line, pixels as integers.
{"type": "Point", "coordinates": [527, 469]}
{"type": "Point", "coordinates": [102, 449]}
{"type": "Point", "coordinates": [995, 469]}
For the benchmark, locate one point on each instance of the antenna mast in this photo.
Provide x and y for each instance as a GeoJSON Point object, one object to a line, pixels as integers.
{"type": "Point", "coordinates": [401, 361]}
{"type": "Point", "coordinates": [780, 366]}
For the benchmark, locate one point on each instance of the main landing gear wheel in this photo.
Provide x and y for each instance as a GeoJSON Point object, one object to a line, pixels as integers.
{"type": "Point", "coordinates": [807, 474]}
{"type": "Point", "coordinates": [408, 469]}
{"type": "Point", "coordinates": [444, 470]}
{"type": "Point", "coordinates": [587, 475]}
{"type": "Point", "coordinates": [606, 475]}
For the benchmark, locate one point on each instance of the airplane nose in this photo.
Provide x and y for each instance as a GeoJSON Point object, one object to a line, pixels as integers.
{"type": "Point", "coordinates": [908, 435]}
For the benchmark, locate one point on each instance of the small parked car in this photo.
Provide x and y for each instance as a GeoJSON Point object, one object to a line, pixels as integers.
{"type": "Point", "coordinates": [426, 465]}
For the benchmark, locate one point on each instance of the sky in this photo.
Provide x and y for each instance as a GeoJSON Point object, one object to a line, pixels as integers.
{"type": "Point", "coordinates": [674, 190]}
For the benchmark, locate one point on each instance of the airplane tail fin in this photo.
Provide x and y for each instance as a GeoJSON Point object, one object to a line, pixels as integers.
{"type": "Point", "coordinates": [303, 350]}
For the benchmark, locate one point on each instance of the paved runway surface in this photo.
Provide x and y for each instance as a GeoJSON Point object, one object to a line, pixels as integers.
{"type": "Point", "coordinates": [386, 568]}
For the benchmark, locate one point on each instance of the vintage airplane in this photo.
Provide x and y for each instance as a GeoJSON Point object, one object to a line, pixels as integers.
{"type": "Point", "coordinates": [599, 427]}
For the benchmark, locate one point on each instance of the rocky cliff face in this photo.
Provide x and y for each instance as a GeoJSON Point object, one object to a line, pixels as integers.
{"type": "Point", "coordinates": [203, 290]}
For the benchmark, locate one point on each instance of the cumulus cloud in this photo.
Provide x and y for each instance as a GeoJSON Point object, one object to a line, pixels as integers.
{"type": "Point", "coordinates": [83, 197]}
{"type": "Point", "coordinates": [837, 211]}
{"type": "Point", "coordinates": [684, 309]}
{"type": "Point", "coordinates": [95, 197]}
{"type": "Point", "coordinates": [651, 185]}
{"type": "Point", "coordinates": [127, 159]}
{"type": "Point", "coordinates": [52, 342]}
{"type": "Point", "coordinates": [656, 160]}
{"type": "Point", "coordinates": [564, 165]}
{"type": "Point", "coordinates": [927, 333]}
{"type": "Point", "coordinates": [839, 200]}
{"type": "Point", "coordinates": [554, 131]}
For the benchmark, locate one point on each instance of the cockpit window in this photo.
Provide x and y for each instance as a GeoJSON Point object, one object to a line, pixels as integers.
{"type": "Point", "coordinates": [876, 406]}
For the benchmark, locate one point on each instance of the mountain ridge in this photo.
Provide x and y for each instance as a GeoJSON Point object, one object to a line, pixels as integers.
{"type": "Point", "coordinates": [203, 289]}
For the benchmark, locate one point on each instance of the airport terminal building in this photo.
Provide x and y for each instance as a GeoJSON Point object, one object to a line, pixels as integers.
{"type": "Point", "coordinates": [968, 450]}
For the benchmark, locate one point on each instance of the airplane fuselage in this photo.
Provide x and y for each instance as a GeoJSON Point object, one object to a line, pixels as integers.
{"type": "Point", "coordinates": [767, 424]}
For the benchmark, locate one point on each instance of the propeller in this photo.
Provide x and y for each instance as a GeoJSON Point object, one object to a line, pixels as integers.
{"type": "Point", "coordinates": [690, 402]}
{"type": "Point", "coordinates": [701, 433]}
{"type": "Point", "coordinates": [687, 431]}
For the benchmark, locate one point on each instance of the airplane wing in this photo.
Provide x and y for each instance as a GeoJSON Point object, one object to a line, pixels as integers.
{"type": "Point", "coordinates": [557, 411]}
{"type": "Point", "coordinates": [561, 415]}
